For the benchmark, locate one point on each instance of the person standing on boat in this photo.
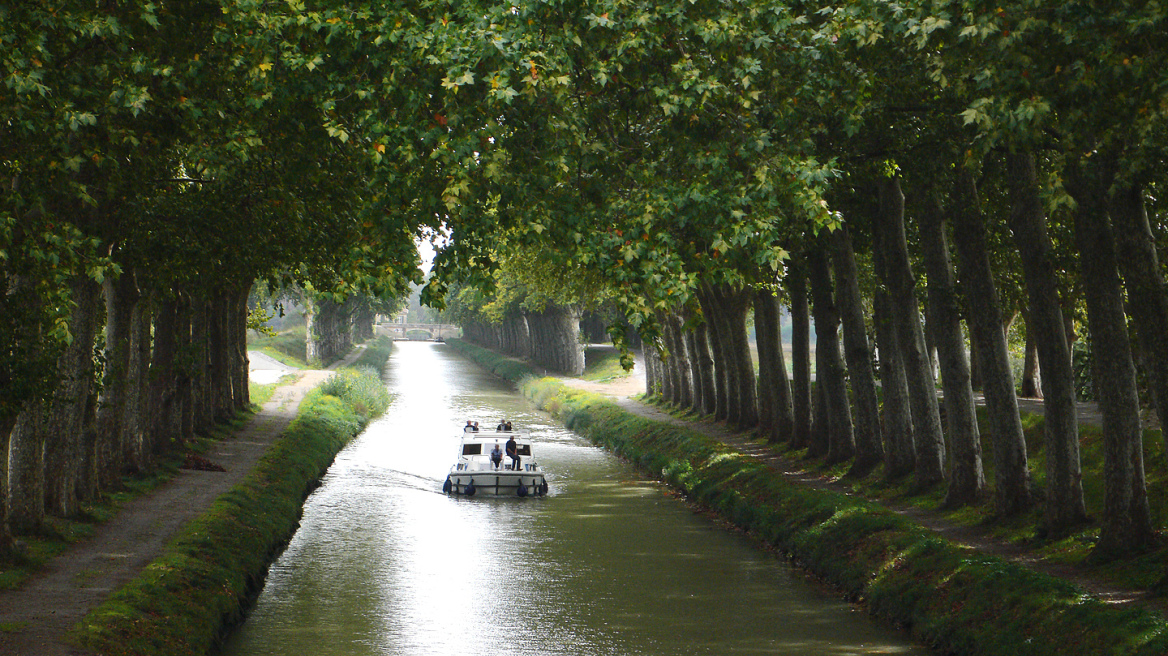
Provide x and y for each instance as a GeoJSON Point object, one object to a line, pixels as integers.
{"type": "Point", "coordinates": [497, 456]}
{"type": "Point", "coordinates": [469, 428]}
{"type": "Point", "coordinates": [502, 426]}
{"type": "Point", "coordinates": [513, 453]}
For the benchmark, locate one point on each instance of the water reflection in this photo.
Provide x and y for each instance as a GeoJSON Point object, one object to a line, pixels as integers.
{"type": "Point", "coordinates": [607, 564]}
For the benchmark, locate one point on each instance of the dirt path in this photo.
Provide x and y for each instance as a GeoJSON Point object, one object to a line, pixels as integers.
{"type": "Point", "coordinates": [970, 537]}
{"type": "Point", "coordinates": [35, 618]}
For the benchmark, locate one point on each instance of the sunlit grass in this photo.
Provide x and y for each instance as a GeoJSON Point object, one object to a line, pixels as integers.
{"type": "Point", "coordinates": [602, 365]}
{"type": "Point", "coordinates": [288, 347]}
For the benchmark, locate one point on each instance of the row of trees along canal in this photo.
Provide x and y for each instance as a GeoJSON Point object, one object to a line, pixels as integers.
{"type": "Point", "coordinates": [681, 161]}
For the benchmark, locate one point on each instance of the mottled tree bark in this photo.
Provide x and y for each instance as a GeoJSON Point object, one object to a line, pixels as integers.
{"type": "Point", "coordinates": [26, 470]}
{"type": "Point", "coordinates": [858, 355]}
{"type": "Point", "coordinates": [900, 456]}
{"type": "Point", "coordinates": [716, 332]}
{"type": "Point", "coordinates": [7, 424]}
{"type": "Point", "coordinates": [1064, 506]}
{"type": "Point", "coordinates": [746, 399]}
{"type": "Point", "coordinates": [652, 358]}
{"type": "Point", "coordinates": [966, 475]}
{"type": "Point", "coordinates": [774, 393]}
{"type": "Point", "coordinates": [137, 422]}
{"type": "Point", "coordinates": [119, 387]}
{"type": "Point", "coordinates": [695, 368]}
{"type": "Point", "coordinates": [238, 327]}
{"type": "Point", "coordinates": [709, 398]}
{"type": "Point", "coordinates": [1031, 385]}
{"type": "Point", "coordinates": [685, 397]}
{"type": "Point", "coordinates": [898, 279]}
{"type": "Point", "coordinates": [800, 356]}
{"type": "Point", "coordinates": [67, 437]}
{"type": "Point", "coordinates": [674, 375]}
{"type": "Point", "coordinates": [1127, 524]}
{"type": "Point", "coordinates": [1011, 472]}
{"type": "Point", "coordinates": [164, 420]}
{"type": "Point", "coordinates": [185, 369]}
{"type": "Point", "coordinates": [311, 341]}
{"type": "Point", "coordinates": [219, 343]}
{"type": "Point", "coordinates": [1147, 292]}
{"type": "Point", "coordinates": [829, 371]}
{"type": "Point", "coordinates": [201, 343]}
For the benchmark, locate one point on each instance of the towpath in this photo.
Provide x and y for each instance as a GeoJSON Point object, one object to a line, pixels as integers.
{"type": "Point", "coordinates": [36, 617]}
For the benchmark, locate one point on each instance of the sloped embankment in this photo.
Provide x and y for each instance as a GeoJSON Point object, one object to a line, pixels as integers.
{"type": "Point", "coordinates": [185, 601]}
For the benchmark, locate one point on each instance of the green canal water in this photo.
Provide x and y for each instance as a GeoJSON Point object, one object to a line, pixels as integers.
{"type": "Point", "coordinates": [609, 563]}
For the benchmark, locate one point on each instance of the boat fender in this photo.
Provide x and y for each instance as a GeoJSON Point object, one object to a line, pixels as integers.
{"type": "Point", "coordinates": [543, 489]}
{"type": "Point", "coordinates": [446, 487]}
{"type": "Point", "coordinates": [522, 489]}
{"type": "Point", "coordinates": [469, 490]}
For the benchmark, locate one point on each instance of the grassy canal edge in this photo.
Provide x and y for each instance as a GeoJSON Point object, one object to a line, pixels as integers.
{"type": "Point", "coordinates": [187, 600]}
{"type": "Point", "coordinates": [952, 599]}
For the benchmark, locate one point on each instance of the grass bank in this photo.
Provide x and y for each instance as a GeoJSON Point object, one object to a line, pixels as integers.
{"type": "Point", "coordinates": [956, 600]}
{"type": "Point", "coordinates": [288, 347]}
{"type": "Point", "coordinates": [185, 601]}
{"type": "Point", "coordinates": [500, 365]}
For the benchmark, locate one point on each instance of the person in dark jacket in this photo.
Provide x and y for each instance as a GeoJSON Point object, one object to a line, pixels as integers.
{"type": "Point", "coordinates": [513, 453]}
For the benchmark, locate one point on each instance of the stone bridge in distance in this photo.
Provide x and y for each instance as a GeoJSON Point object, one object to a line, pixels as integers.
{"type": "Point", "coordinates": [432, 330]}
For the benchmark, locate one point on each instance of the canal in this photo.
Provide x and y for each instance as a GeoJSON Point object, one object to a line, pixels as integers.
{"type": "Point", "coordinates": [607, 564]}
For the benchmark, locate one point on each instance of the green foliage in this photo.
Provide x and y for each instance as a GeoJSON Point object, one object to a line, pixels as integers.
{"type": "Point", "coordinates": [185, 600]}
{"type": "Point", "coordinates": [360, 388]}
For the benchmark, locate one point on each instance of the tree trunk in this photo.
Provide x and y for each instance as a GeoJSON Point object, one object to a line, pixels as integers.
{"type": "Point", "coordinates": [900, 456]}
{"type": "Point", "coordinates": [926, 420]}
{"type": "Point", "coordinates": [746, 398]}
{"type": "Point", "coordinates": [311, 340]}
{"type": "Point", "coordinates": [220, 345]}
{"type": "Point", "coordinates": [204, 411]}
{"type": "Point", "coordinates": [774, 388]}
{"type": "Point", "coordinates": [785, 411]}
{"type": "Point", "coordinates": [695, 367]}
{"type": "Point", "coordinates": [1146, 290]}
{"type": "Point", "coordinates": [238, 326]}
{"type": "Point", "coordinates": [705, 361]}
{"type": "Point", "coordinates": [186, 370]}
{"type": "Point", "coordinates": [718, 339]}
{"type": "Point", "coordinates": [966, 476]}
{"type": "Point", "coordinates": [680, 358]}
{"type": "Point", "coordinates": [66, 436]}
{"type": "Point", "coordinates": [800, 356]}
{"type": "Point", "coordinates": [670, 378]}
{"type": "Point", "coordinates": [1031, 386]}
{"type": "Point", "coordinates": [858, 354]}
{"type": "Point", "coordinates": [26, 471]}
{"type": "Point", "coordinates": [830, 371]}
{"type": "Point", "coordinates": [1127, 524]}
{"type": "Point", "coordinates": [1064, 490]}
{"type": "Point", "coordinates": [1011, 473]}
{"type": "Point", "coordinates": [652, 383]}
{"type": "Point", "coordinates": [119, 386]}
{"type": "Point", "coordinates": [162, 408]}
{"type": "Point", "coordinates": [7, 423]}
{"type": "Point", "coordinates": [137, 421]}
{"type": "Point", "coordinates": [818, 440]}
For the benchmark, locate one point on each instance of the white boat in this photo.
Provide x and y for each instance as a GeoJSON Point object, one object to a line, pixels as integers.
{"type": "Point", "coordinates": [475, 472]}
